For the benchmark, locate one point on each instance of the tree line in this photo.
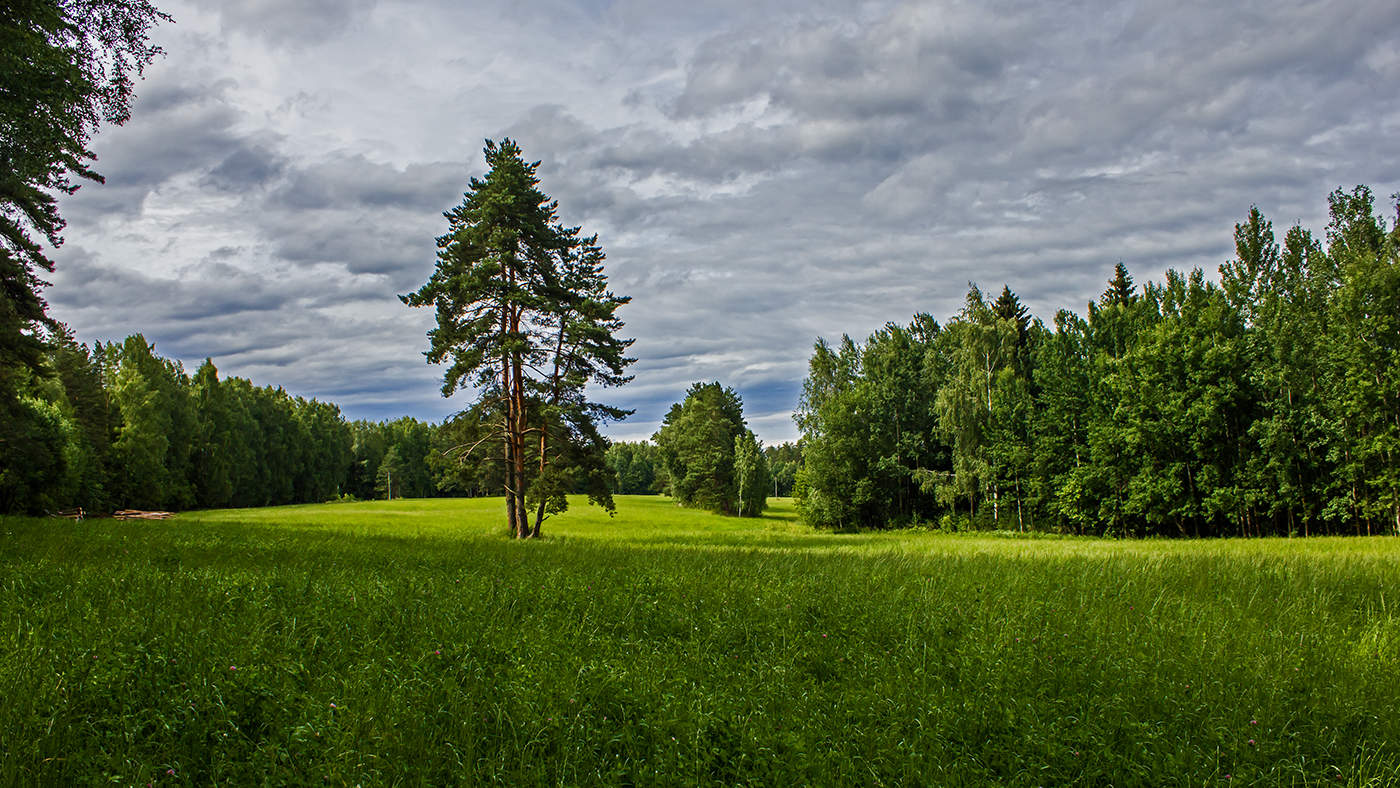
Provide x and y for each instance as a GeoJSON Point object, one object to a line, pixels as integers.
{"type": "Point", "coordinates": [108, 426]}
{"type": "Point", "coordinates": [115, 425]}
{"type": "Point", "coordinates": [1268, 403]}
{"type": "Point", "coordinates": [638, 469]}
{"type": "Point", "coordinates": [705, 456]}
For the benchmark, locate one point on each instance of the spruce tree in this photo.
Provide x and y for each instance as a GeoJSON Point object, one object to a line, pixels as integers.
{"type": "Point", "coordinates": [1121, 290]}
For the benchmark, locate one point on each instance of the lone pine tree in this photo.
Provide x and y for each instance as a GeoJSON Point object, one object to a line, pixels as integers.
{"type": "Point", "coordinates": [525, 318]}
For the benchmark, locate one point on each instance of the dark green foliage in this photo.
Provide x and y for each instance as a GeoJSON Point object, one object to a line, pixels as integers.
{"type": "Point", "coordinates": [1185, 403]}
{"type": "Point", "coordinates": [1363, 320]}
{"type": "Point", "coordinates": [151, 452]}
{"type": "Point", "coordinates": [1009, 307]}
{"type": "Point", "coordinates": [1267, 404]}
{"type": "Point", "coordinates": [870, 450]}
{"type": "Point", "coordinates": [636, 468]}
{"type": "Point", "coordinates": [66, 66]}
{"type": "Point", "coordinates": [222, 450]}
{"type": "Point", "coordinates": [118, 426]}
{"type": "Point", "coordinates": [985, 407]}
{"type": "Point", "coordinates": [37, 472]}
{"type": "Point", "coordinates": [455, 458]}
{"type": "Point", "coordinates": [1121, 291]}
{"type": "Point", "coordinates": [784, 461]}
{"type": "Point", "coordinates": [526, 320]}
{"type": "Point", "coordinates": [696, 444]}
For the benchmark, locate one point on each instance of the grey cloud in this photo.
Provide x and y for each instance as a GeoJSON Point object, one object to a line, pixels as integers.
{"type": "Point", "coordinates": [210, 288]}
{"type": "Point", "coordinates": [352, 180]}
{"type": "Point", "coordinates": [292, 22]}
{"type": "Point", "coordinates": [393, 244]}
{"type": "Point", "coordinates": [760, 174]}
{"type": "Point", "coordinates": [914, 61]}
{"type": "Point", "coordinates": [176, 128]}
{"type": "Point", "coordinates": [350, 215]}
{"type": "Point", "coordinates": [248, 167]}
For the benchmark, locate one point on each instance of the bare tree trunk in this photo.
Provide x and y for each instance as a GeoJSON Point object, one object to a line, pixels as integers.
{"type": "Point", "coordinates": [1020, 524]}
{"type": "Point", "coordinates": [539, 508]}
{"type": "Point", "coordinates": [507, 431]}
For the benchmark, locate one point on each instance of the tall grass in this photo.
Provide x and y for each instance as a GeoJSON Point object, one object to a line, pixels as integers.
{"type": "Point", "coordinates": [412, 643]}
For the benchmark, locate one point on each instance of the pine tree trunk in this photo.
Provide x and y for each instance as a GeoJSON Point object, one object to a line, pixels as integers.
{"type": "Point", "coordinates": [522, 514]}
{"type": "Point", "coordinates": [507, 426]}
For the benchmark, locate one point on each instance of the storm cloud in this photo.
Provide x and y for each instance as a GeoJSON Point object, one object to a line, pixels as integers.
{"type": "Point", "coordinates": [760, 173]}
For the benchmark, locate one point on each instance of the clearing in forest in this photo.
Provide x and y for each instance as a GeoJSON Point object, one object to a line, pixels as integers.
{"type": "Point", "coordinates": [411, 641]}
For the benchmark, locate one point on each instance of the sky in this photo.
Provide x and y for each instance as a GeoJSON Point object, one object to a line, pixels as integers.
{"type": "Point", "coordinates": [760, 173]}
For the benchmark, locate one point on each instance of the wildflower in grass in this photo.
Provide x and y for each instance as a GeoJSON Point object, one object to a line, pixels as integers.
{"type": "Point", "coordinates": [1251, 742]}
{"type": "Point", "coordinates": [233, 667]}
{"type": "Point", "coordinates": [1254, 722]}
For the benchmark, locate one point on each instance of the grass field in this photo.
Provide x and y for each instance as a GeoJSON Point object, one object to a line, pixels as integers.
{"type": "Point", "coordinates": [410, 643]}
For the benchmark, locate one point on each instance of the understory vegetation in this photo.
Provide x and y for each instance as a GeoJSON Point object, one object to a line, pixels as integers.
{"type": "Point", "coordinates": [410, 642]}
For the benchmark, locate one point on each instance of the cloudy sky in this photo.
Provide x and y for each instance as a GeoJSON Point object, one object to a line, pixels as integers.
{"type": "Point", "coordinates": [760, 172]}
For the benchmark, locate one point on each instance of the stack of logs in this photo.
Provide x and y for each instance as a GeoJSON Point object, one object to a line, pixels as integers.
{"type": "Point", "coordinates": [137, 514]}
{"type": "Point", "coordinates": [120, 514]}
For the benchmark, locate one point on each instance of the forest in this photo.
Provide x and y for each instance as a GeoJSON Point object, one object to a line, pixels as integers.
{"type": "Point", "coordinates": [1263, 401]}
{"type": "Point", "coordinates": [116, 425]}
{"type": "Point", "coordinates": [1265, 404]}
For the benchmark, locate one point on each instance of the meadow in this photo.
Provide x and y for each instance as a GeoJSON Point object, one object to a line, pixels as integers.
{"type": "Point", "coordinates": [412, 643]}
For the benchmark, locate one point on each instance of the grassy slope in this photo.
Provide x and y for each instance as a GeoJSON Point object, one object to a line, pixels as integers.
{"type": "Point", "coordinates": [408, 642]}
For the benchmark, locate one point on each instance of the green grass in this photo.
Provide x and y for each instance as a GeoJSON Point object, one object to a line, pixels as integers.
{"type": "Point", "coordinates": [411, 643]}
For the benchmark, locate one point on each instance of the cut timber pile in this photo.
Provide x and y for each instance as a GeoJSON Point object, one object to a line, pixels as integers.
{"type": "Point", "coordinates": [137, 514]}
{"type": "Point", "coordinates": [71, 514]}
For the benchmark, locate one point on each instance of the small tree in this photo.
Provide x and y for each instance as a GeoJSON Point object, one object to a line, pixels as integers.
{"type": "Point", "coordinates": [696, 444]}
{"type": "Point", "coordinates": [391, 475]}
{"type": "Point", "coordinates": [750, 475]}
